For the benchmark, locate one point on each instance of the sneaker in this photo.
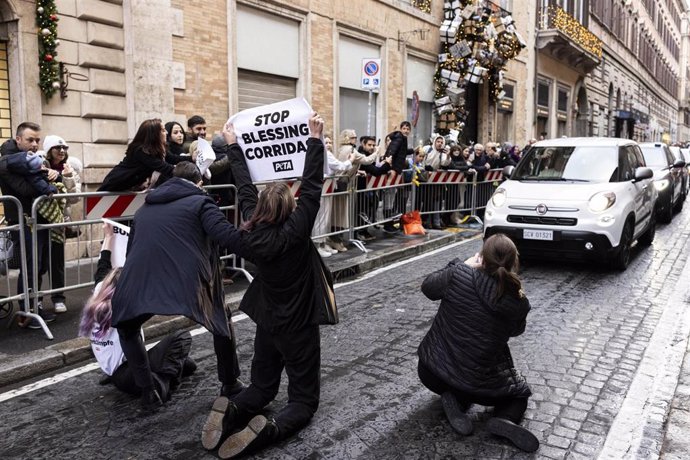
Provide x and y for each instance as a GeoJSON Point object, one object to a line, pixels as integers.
{"type": "Point", "coordinates": [260, 432]}
{"type": "Point", "coordinates": [455, 414]}
{"type": "Point", "coordinates": [338, 246]}
{"type": "Point", "coordinates": [47, 316]}
{"type": "Point", "coordinates": [329, 248]}
{"type": "Point", "coordinates": [60, 307]}
{"type": "Point", "coordinates": [388, 227]}
{"type": "Point", "coordinates": [518, 435]}
{"type": "Point", "coordinates": [323, 253]}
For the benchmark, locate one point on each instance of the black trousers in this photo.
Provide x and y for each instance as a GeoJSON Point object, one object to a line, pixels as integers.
{"type": "Point", "coordinates": [57, 270]}
{"type": "Point", "coordinates": [43, 246]}
{"type": "Point", "coordinates": [166, 361]}
{"type": "Point", "coordinates": [508, 408]}
{"type": "Point", "coordinates": [139, 363]}
{"type": "Point", "coordinates": [300, 354]}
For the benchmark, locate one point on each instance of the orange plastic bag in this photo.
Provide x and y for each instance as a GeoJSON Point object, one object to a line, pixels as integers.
{"type": "Point", "coordinates": [412, 223]}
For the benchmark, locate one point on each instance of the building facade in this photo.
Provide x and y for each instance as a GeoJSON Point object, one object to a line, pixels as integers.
{"type": "Point", "coordinates": [589, 68]}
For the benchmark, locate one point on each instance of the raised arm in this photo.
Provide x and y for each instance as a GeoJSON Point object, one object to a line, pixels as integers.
{"type": "Point", "coordinates": [435, 285]}
{"type": "Point", "coordinates": [246, 191]}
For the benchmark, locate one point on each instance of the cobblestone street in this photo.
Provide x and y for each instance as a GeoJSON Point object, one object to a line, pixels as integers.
{"type": "Point", "coordinates": [591, 338]}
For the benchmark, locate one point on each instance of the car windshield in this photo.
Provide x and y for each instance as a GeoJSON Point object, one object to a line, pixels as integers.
{"type": "Point", "coordinates": [588, 164]}
{"type": "Point", "coordinates": [654, 156]}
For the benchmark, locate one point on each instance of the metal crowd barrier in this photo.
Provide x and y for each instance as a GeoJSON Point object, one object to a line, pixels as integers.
{"type": "Point", "coordinates": [8, 294]}
{"type": "Point", "coordinates": [348, 205]}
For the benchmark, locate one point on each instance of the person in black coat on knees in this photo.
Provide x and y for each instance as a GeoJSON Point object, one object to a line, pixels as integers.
{"type": "Point", "coordinates": [173, 268]}
{"type": "Point", "coordinates": [465, 356]}
{"type": "Point", "coordinates": [283, 303]}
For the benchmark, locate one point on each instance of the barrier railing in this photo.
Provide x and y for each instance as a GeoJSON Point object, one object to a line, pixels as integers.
{"type": "Point", "coordinates": [22, 298]}
{"type": "Point", "coordinates": [356, 203]}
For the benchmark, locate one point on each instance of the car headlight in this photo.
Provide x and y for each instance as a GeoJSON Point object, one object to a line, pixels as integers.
{"type": "Point", "coordinates": [601, 201]}
{"type": "Point", "coordinates": [661, 184]}
{"type": "Point", "coordinates": [498, 199]}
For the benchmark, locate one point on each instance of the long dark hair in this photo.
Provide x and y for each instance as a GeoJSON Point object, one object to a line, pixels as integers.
{"type": "Point", "coordinates": [148, 139]}
{"type": "Point", "coordinates": [172, 146]}
{"type": "Point", "coordinates": [274, 206]}
{"type": "Point", "coordinates": [500, 260]}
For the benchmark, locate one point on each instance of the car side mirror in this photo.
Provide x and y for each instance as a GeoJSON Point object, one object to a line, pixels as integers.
{"type": "Point", "coordinates": [508, 171]}
{"type": "Point", "coordinates": [678, 163]}
{"type": "Point", "coordinates": [643, 173]}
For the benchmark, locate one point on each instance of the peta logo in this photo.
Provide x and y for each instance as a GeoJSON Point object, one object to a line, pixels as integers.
{"type": "Point", "coordinates": [281, 166]}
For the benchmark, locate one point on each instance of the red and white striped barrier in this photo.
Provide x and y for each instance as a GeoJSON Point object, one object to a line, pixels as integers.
{"type": "Point", "coordinates": [446, 177]}
{"type": "Point", "coordinates": [493, 174]}
{"type": "Point", "coordinates": [383, 181]}
{"type": "Point", "coordinates": [113, 206]}
{"type": "Point", "coordinates": [295, 186]}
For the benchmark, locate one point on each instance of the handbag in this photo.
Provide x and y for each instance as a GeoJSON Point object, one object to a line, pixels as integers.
{"type": "Point", "coordinates": [323, 290]}
{"type": "Point", "coordinates": [6, 251]}
{"type": "Point", "coordinates": [412, 223]}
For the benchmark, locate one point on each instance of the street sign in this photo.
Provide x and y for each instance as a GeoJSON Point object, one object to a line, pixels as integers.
{"type": "Point", "coordinates": [371, 74]}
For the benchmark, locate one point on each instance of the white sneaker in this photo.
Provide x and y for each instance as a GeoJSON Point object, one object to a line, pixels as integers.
{"type": "Point", "coordinates": [324, 253]}
{"type": "Point", "coordinates": [329, 248]}
{"type": "Point", "coordinates": [60, 307]}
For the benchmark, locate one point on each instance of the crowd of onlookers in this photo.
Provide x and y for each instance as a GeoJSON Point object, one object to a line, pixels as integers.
{"type": "Point", "coordinates": [29, 169]}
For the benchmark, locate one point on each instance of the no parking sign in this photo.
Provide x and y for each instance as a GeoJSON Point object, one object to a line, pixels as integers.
{"type": "Point", "coordinates": [371, 74]}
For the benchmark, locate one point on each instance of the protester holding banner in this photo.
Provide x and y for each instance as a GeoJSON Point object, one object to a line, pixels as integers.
{"type": "Point", "coordinates": [144, 156]}
{"type": "Point", "coordinates": [169, 358]}
{"type": "Point", "coordinates": [172, 268]}
{"type": "Point", "coordinates": [282, 300]}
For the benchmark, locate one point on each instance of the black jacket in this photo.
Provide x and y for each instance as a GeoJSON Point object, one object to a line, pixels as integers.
{"type": "Point", "coordinates": [398, 150]}
{"type": "Point", "coordinates": [25, 188]}
{"type": "Point", "coordinates": [467, 345]}
{"type": "Point", "coordinates": [172, 265]}
{"type": "Point", "coordinates": [133, 170]}
{"type": "Point", "coordinates": [282, 297]}
{"type": "Point", "coordinates": [9, 146]}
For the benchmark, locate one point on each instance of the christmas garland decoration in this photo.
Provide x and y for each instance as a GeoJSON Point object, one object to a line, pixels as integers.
{"type": "Point", "coordinates": [46, 20]}
{"type": "Point", "coordinates": [423, 5]}
{"type": "Point", "coordinates": [477, 41]}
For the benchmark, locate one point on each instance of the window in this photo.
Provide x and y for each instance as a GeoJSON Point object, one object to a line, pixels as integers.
{"type": "Point", "coordinates": [5, 112]}
{"type": "Point", "coordinates": [543, 102]}
{"type": "Point", "coordinates": [562, 112]}
{"type": "Point", "coordinates": [543, 90]}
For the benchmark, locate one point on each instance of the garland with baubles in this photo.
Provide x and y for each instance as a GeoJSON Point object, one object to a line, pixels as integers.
{"type": "Point", "coordinates": [46, 20]}
{"type": "Point", "coordinates": [477, 41]}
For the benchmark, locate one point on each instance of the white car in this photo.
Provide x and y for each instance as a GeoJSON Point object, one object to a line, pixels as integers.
{"type": "Point", "coordinates": [576, 198]}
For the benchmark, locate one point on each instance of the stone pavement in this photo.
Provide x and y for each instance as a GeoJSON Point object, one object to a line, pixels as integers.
{"type": "Point", "coordinates": [27, 353]}
{"type": "Point", "coordinates": [677, 440]}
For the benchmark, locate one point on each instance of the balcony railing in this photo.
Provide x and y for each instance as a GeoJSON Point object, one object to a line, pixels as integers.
{"type": "Point", "coordinates": [565, 39]}
{"type": "Point", "coordinates": [555, 17]}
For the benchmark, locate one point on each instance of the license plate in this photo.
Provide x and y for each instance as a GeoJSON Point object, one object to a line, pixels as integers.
{"type": "Point", "coordinates": [546, 235]}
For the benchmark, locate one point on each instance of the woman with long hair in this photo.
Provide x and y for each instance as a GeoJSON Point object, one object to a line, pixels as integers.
{"type": "Point", "coordinates": [174, 144]}
{"type": "Point", "coordinates": [144, 156]}
{"type": "Point", "coordinates": [283, 302]}
{"type": "Point", "coordinates": [465, 356]}
{"type": "Point", "coordinates": [169, 358]}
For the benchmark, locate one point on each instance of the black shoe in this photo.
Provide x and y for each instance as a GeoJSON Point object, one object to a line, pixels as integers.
{"type": "Point", "coordinates": [388, 227]}
{"type": "Point", "coordinates": [188, 367]}
{"type": "Point", "coordinates": [518, 435]}
{"type": "Point", "coordinates": [259, 433]}
{"type": "Point", "coordinates": [221, 421]}
{"type": "Point", "coordinates": [47, 316]}
{"type": "Point", "coordinates": [150, 401]}
{"type": "Point", "coordinates": [455, 414]}
{"type": "Point", "coordinates": [229, 390]}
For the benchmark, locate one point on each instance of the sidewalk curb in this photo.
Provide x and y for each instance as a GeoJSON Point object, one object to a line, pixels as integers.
{"type": "Point", "coordinates": [54, 357]}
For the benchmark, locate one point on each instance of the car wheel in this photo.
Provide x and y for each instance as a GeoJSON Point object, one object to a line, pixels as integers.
{"type": "Point", "coordinates": [647, 237]}
{"type": "Point", "coordinates": [667, 214]}
{"type": "Point", "coordinates": [621, 259]}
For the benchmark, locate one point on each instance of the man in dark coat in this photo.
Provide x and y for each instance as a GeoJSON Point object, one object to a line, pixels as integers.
{"type": "Point", "coordinates": [27, 139]}
{"type": "Point", "coordinates": [172, 268]}
{"type": "Point", "coordinates": [465, 356]}
{"type": "Point", "coordinates": [394, 203]}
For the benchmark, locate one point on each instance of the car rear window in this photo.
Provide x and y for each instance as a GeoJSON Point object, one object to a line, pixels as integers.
{"type": "Point", "coordinates": [590, 164]}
